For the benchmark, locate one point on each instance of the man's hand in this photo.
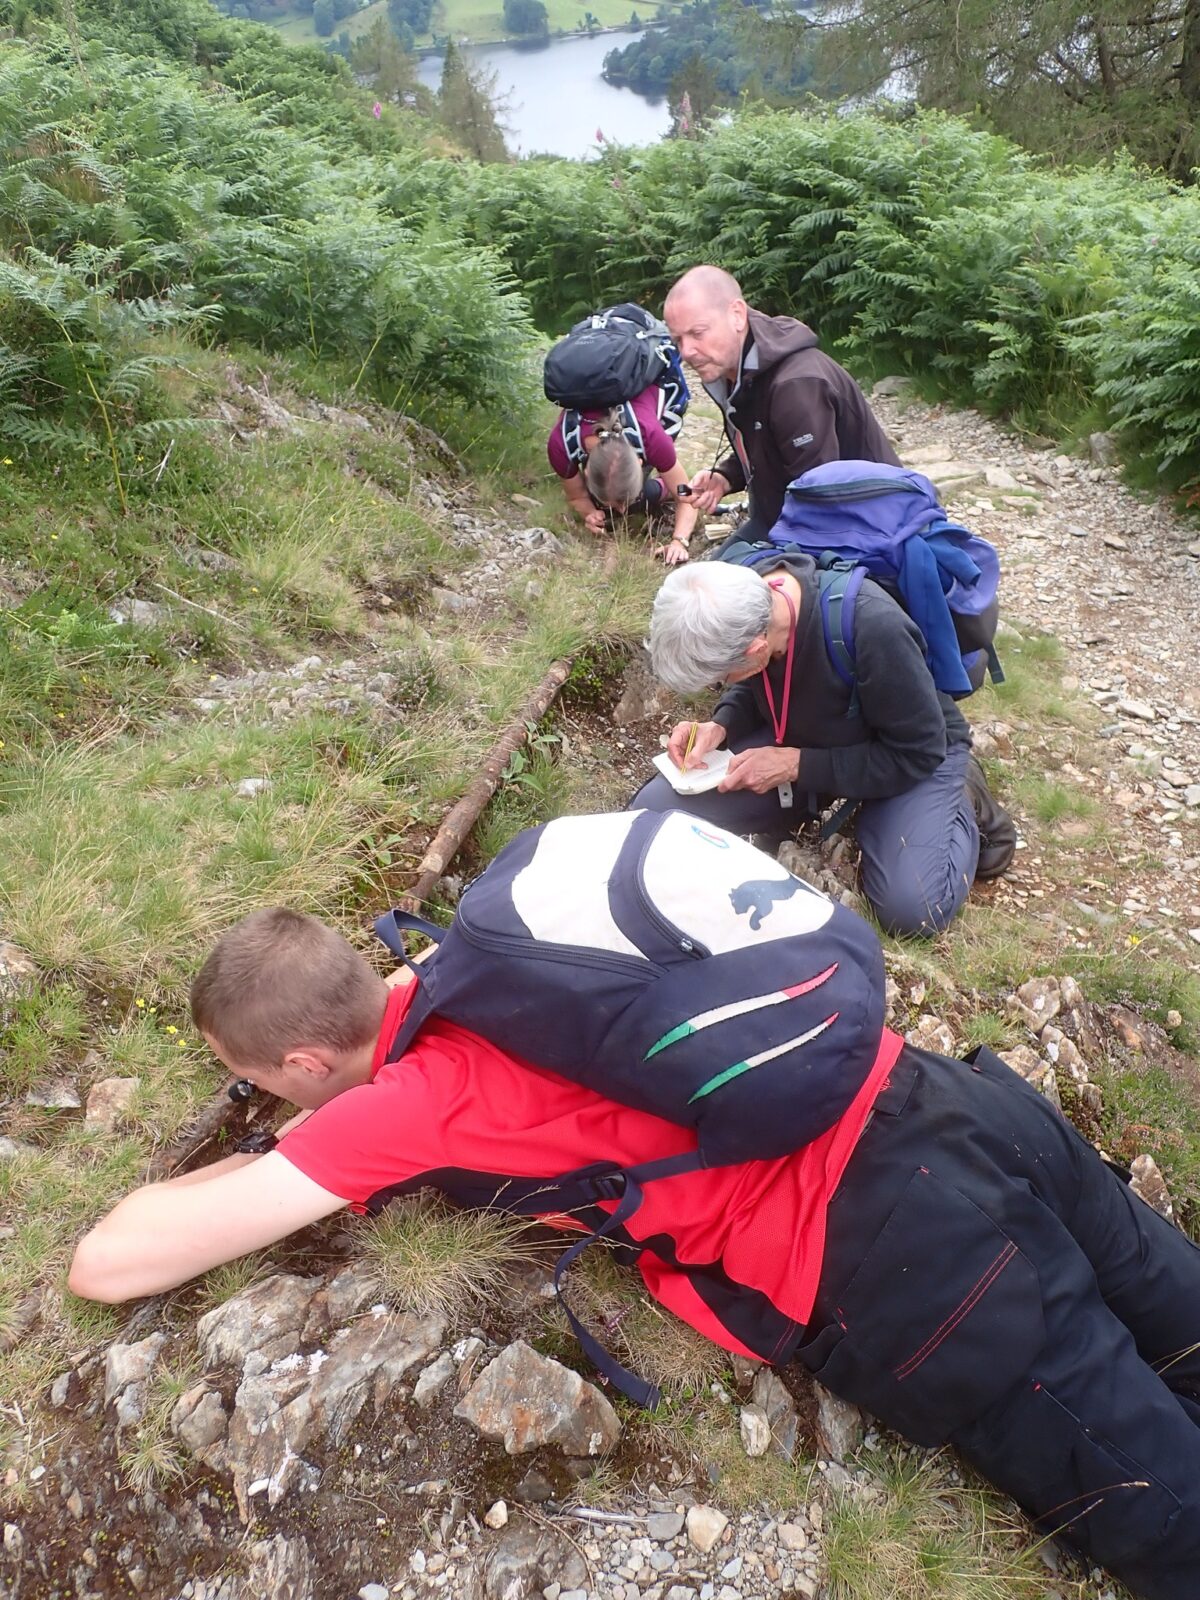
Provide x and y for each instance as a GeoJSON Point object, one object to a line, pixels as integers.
{"type": "Point", "coordinates": [708, 490]}
{"type": "Point", "coordinates": [708, 736]}
{"type": "Point", "coordinates": [761, 769]}
{"type": "Point", "coordinates": [595, 520]}
{"type": "Point", "coordinates": [673, 553]}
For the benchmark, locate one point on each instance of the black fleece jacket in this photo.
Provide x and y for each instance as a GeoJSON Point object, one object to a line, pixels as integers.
{"type": "Point", "coordinates": [793, 407]}
{"type": "Point", "coordinates": [903, 726]}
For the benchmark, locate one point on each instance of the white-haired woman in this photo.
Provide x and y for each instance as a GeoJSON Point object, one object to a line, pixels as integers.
{"type": "Point", "coordinates": [802, 736]}
{"type": "Point", "coordinates": [623, 460]}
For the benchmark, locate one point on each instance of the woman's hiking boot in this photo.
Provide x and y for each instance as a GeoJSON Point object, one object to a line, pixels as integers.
{"type": "Point", "coordinates": [997, 831]}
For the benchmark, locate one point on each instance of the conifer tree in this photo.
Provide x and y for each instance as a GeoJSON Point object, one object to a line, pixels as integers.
{"type": "Point", "coordinates": [468, 107]}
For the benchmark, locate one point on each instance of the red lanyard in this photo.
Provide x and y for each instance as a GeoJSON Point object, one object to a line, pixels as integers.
{"type": "Point", "coordinates": [780, 722]}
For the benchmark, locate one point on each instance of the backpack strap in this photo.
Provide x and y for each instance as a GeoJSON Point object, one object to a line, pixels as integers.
{"type": "Point", "coordinates": [627, 1184]}
{"type": "Point", "coordinates": [571, 428]}
{"type": "Point", "coordinates": [632, 429]}
{"type": "Point", "coordinates": [838, 583]}
{"type": "Point", "coordinates": [391, 927]}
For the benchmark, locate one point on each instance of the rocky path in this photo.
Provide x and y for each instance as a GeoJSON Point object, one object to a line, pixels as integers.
{"type": "Point", "coordinates": [1115, 578]}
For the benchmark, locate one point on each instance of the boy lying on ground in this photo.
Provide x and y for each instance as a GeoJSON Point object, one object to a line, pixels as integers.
{"type": "Point", "coordinates": [951, 1254]}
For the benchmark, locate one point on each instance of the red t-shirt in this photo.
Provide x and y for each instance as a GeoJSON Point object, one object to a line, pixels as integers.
{"type": "Point", "coordinates": [659, 446]}
{"type": "Point", "coordinates": [454, 1101]}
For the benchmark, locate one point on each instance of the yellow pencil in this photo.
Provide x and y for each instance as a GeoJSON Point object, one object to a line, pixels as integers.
{"type": "Point", "coordinates": [687, 752]}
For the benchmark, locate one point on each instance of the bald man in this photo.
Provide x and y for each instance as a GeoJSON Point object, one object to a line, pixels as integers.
{"type": "Point", "coordinates": [787, 406]}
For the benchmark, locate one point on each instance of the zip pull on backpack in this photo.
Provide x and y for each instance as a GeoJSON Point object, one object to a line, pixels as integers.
{"type": "Point", "coordinates": [668, 965]}
{"type": "Point", "coordinates": [888, 523]}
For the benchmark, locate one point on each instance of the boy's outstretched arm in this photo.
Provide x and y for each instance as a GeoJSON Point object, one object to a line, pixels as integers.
{"type": "Point", "coordinates": [165, 1233]}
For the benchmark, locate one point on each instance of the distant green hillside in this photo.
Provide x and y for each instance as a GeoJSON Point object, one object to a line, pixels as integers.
{"type": "Point", "coordinates": [481, 21]}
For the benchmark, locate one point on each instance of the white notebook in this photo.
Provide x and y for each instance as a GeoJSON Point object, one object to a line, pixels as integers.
{"type": "Point", "coordinates": [696, 780]}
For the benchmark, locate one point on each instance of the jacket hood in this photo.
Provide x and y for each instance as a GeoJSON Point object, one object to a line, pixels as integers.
{"type": "Point", "coordinates": [777, 337]}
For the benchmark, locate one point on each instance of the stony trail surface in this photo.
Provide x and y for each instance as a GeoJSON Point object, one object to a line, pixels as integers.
{"type": "Point", "coordinates": [1115, 578]}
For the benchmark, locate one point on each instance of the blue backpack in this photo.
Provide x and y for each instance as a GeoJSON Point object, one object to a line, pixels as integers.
{"type": "Point", "coordinates": [863, 519]}
{"type": "Point", "coordinates": [668, 965]}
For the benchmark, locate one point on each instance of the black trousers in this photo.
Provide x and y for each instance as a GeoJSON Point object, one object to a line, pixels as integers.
{"type": "Point", "coordinates": [990, 1283]}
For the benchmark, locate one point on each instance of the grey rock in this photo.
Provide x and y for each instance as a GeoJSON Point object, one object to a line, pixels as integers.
{"type": "Point", "coordinates": [209, 560]}
{"type": "Point", "coordinates": [705, 1525]}
{"type": "Point", "coordinates": [772, 1395]}
{"type": "Point", "coordinates": [374, 1591]}
{"type": "Point", "coordinates": [264, 1320]}
{"type": "Point", "coordinates": [281, 1568]}
{"type": "Point", "coordinates": [542, 541]}
{"type": "Point", "coordinates": [1113, 542]}
{"type": "Point", "coordinates": [839, 1425]}
{"type": "Point", "coordinates": [1064, 1053]}
{"type": "Point", "coordinates": [894, 383]}
{"type": "Point", "coordinates": [127, 1367]}
{"type": "Point", "coordinates": [433, 1380]}
{"type": "Point", "coordinates": [1077, 531]}
{"type": "Point", "coordinates": [199, 1422]}
{"type": "Point", "coordinates": [350, 1290]}
{"type": "Point", "coordinates": [1149, 1185]}
{"type": "Point", "coordinates": [451, 600]}
{"type": "Point", "coordinates": [18, 974]}
{"type": "Point", "coordinates": [754, 1430]}
{"type": "Point", "coordinates": [663, 1526]}
{"type": "Point", "coordinates": [1103, 448]}
{"type": "Point", "coordinates": [534, 1489]}
{"type": "Point", "coordinates": [64, 1389]}
{"type": "Point", "coordinates": [139, 613]}
{"type": "Point", "coordinates": [109, 1100]}
{"type": "Point", "coordinates": [529, 1401]}
{"type": "Point", "coordinates": [301, 1398]}
{"type": "Point", "coordinates": [1000, 478]}
{"type": "Point", "coordinates": [1037, 1073]}
{"type": "Point", "coordinates": [641, 697]}
{"type": "Point", "coordinates": [523, 1562]}
{"type": "Point", "coordinates": [249, 788]}
{"type": "Point", "coordinates": [931, 1033]}
{"type": "Point", "coordinates": [1137, 709]}
{"type": "Point", "coordinates": [58, 1095]}
{"type": "Point", "coordinates": [793, 1536]}
{"type": "Point", "coordinates": [10, 1149]}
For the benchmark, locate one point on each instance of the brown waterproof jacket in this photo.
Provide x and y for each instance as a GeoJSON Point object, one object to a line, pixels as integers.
{"type": "Point", "coordinates": [791, 408]}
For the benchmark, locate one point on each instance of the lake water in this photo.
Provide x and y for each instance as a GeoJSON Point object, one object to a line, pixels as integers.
{"type": "Point", "coordinates": [556, 98]}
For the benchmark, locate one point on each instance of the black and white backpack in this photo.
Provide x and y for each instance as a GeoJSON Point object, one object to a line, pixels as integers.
{"type": "Point", "coordinates": [668, 965]}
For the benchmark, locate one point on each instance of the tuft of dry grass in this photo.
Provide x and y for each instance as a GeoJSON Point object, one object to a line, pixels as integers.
{"type": "Point", "coordinates": [430, 1257]}
{"type": "Point", "coordinates": [927, 1531]}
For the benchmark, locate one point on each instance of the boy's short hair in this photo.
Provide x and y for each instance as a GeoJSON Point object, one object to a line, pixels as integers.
{"type": "Point", "coordinates": [280, 981]}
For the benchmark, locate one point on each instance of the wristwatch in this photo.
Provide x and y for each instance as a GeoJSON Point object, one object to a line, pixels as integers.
{"type": "Point", "coordinates": [255, 1143]}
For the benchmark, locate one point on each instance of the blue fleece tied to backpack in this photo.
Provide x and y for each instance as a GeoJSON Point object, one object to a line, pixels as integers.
{"type": "Point", "coordinates": [889, 520]}
{"type": "Point", "coordinates": [929, 568]}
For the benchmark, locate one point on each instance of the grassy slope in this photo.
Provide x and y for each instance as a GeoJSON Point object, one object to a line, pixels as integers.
{"type": "Point", "coordinates": [124, 846]}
